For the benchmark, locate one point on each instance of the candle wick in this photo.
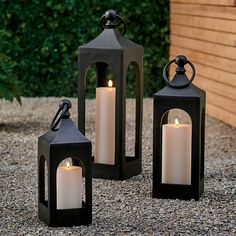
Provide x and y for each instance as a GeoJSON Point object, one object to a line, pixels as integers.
{"type": "Point", "coordinates": [68, 165]}
{"type": "Point", "coordinates": [176, 123]}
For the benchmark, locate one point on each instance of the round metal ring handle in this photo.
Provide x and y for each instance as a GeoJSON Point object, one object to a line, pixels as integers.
{"type": "Point", "coordinates": [178, 86]}
{"type": "Point", "coordinates": [111, 17]}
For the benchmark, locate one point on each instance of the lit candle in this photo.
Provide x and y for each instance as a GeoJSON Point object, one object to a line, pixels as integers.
{"type": "Point", "coordinates": [69, 187]}
{"type": "Point", "coordinates": [105, 125]}
{"type": "Point", "coordinates": [176, 153]}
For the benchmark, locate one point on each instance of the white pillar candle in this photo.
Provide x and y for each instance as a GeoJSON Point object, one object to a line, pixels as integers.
{"type": "Point", "coordinates": [176, 153]}
{"type": "Point", "coordinates": [105, 125]}
{"type": "Point", "coordinates": [69, 187]}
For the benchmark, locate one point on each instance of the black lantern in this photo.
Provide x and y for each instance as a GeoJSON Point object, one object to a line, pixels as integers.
{"type": "Point", "coordinates": [178, 149]}
{"type": "Point", "coordinates": [111, 50]}
{"type": "Point", "coordinates": [64, 206]}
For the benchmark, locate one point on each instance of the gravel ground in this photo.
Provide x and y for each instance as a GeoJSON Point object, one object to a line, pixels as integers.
{"type": "Point", "coordinates": [119, 208]}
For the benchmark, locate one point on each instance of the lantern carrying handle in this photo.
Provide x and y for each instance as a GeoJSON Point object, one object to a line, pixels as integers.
{"type": "Point", "coordinates": [63, 110]}
{"type": "Point", "coordinates": [181, 61]}
{"type": "Point", "coordinates": [109, 20]}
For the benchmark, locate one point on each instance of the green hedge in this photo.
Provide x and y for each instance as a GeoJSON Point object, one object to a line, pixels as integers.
{"type": "Point", "coordinates": [9, 85]}
{"type": "Point", "coordinates": [43, 37]}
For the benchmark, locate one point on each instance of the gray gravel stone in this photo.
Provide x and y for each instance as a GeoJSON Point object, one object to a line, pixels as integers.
{"type": "Point", "coordinates": [119, 208]}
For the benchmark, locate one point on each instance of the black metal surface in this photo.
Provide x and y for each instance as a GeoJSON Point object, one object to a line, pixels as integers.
{"type": "Point", "coordinates": [111, 49]}
{"type": "Point", "coordinates": [53, 147]}
{"type": "Point", "coordinates": [192, 100]}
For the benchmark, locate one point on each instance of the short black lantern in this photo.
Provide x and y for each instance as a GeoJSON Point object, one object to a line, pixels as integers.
{"type": "Point", "coordinates": [178, 149]}
{"type": "Point", "coordinates": [64, 206]}
{"type": "Point", "coordinates": [112, 50]}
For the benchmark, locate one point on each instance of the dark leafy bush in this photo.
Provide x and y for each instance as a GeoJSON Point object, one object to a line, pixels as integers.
{"type": "Point", "coordinates": [45, 36]}
{"type": "Point", "coordinates": [9, 86]}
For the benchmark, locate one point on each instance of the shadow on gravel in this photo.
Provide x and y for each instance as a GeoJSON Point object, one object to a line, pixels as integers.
{"type": "Point", "coordinates": [219, 196]}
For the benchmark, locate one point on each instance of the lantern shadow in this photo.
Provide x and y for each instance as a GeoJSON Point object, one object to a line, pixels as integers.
{"type": "Point", "coordinates": [216, 196]}
{"type": "Point", "coordinates": [141, 184]}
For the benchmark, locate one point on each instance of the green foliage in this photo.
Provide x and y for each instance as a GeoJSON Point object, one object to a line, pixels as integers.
{"type": "Point", "coordinates": [45, 36]}
{"type": "Point", "coordinates": [9, 86]}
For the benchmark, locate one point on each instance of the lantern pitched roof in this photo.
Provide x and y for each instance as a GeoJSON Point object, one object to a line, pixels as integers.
{"type": "Point", "coordinates": [66, 134]}
{"type": "Point", "coordinates": [189, 91]}
{"type": "Point", "coordinates": [110, 39]}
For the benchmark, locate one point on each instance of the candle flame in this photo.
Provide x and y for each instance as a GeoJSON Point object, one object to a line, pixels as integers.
{"type": "Point", "coordinates": [110, 83]}
{"type": "Point", "coordinates": [67, 164]}
{"type": "Point", "coordinates": [176, 122]}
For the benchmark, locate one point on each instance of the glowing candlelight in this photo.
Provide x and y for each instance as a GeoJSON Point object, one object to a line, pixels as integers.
{"type": "Point", "coordinates": [176, 122]}
{"type": "Point", "coordinates": [110, 83]}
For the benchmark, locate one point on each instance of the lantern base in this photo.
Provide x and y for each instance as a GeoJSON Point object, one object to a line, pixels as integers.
{"type": "Point", "coordinates": [176, 191]}
{"type": "Point", "coordinates": [65, 217]}
{"type": "Point", "coordinates": [130, 168]}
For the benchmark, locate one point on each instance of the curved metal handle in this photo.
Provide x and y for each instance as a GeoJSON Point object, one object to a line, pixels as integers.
{"type": "Point", "coordinates": [107, 21]}
{"type": "Point", "coordinates": [64, 107]}
{"type": "Point", "coordinates": [180, 61]}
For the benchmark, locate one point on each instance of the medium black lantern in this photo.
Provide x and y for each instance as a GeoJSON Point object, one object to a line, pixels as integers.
{"type": "Point", "coordinates": [112, 50]}
{"type": "Point", "coordinates": [64, 206]}
{"type": "Point", "coordinates": [178, 149]}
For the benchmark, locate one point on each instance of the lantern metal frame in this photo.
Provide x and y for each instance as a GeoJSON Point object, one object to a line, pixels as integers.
{"type": "Point", "coordinates": [180, 93]}
{"type": "Point", "coordinates": [54, 146]}
{"type": "Point", "coordinates": [111, 49]}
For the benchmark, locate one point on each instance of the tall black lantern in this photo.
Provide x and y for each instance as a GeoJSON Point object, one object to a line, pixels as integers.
{"type": "Point", "coordinates": [178, 149]}
{"type": "Point", "coordinates": [112, 50]}
{"type": "Point", "coordinates": [64, 206]}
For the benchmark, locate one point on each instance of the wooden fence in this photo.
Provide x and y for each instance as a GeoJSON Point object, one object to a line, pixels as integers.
{"type": "Point", "coordinates": [205, 31]}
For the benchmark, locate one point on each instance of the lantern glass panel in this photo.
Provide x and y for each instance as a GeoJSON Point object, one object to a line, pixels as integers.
{"type": "Point", "coordinates": [66, 161]}
{"type": "Point", "coordinates": [110, 76]}
{"type": "Point", "coordinates": [91, 79]}
{"type": "Point", "coordinates": [45, 180]}
{"type": "Point", "coordinates": [101, 75]}
{"type": "Point", "coordinates": [182, 116]}
{"type": "Point", "coordinates": [202, 142]}
{"type": "Point", "coordinates": [90, 93]}
{"type": "Point", "coordinates": [130, 132]}
{"type": "Point", "coordinates": [105, 115]}
{"type": "Point", "coordinates": [176, 147]}
{"type": "Point", "coordinates": [70, 184]}
{"type": "Point", "coordinates": [90, 82]}
{"type": "Point", "coordinates": [95, 74]}
{"type": "Point", "coordinates": [43, 175]}
{"type": "Point", "coordinates": [103, 122]}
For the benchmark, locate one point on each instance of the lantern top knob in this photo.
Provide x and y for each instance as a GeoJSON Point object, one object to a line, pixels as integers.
{"type": "Point", "coordinates": [64, 106]}
{"type": "Point", "coordinates": [181, 61]}
{"type": "Point", "coordinates": [110, 15]}
{"type": "Point", "coordinates": [111, 20]}
{"type": "Point", "coordinates": [180, 80]}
